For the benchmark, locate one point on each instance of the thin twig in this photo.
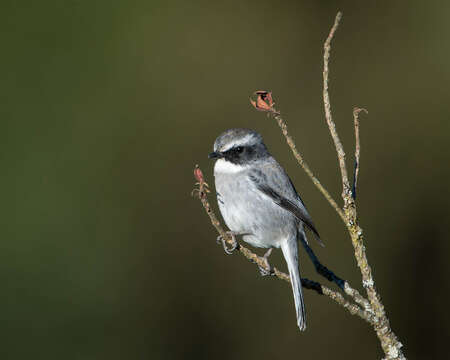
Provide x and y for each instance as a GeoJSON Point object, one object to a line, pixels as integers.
{"type": "Point", "coordinates": [356, 112]}
{"type": "Point", "coordinates": [304, 165]}
{"type": "Point", "coordinates": [327, 105]}
{"type": "Point", "coordinates": [354, 309]}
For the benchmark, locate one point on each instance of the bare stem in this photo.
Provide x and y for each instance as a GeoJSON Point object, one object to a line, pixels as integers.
{"type": "Point", "coordinates": [304, 165]}
{"type": "Point", "coordinates": [327, 105]}
{"type": "Point", "coordinates": [356, 112]}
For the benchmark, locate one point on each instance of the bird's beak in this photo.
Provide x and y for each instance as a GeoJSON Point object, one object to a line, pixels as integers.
{"type": "Point", "coordinates": [215, 155]}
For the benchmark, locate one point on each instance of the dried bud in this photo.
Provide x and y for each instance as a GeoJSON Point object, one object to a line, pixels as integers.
{"type": "Point", "coordinates": [264, 101]}
{"type": "Point", "coordinates": [198, 174]}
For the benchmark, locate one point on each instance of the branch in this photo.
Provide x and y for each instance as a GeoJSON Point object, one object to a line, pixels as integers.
{"type": "Point", "coordinates": [365, 314]}
{"type": "Point", "coordinates": [356, 112]}
{"type": "Point", "coordinates": [327, 105]}
{"type": "Point", "coordinates": [389, 342]}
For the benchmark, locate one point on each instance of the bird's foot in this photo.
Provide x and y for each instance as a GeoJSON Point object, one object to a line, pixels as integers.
{"type": "Point", "coordinates": [267, 270]}
{"type": "Point", "coordinates": [234, 246]}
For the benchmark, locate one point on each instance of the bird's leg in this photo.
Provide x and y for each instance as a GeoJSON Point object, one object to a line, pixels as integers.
{"type": "Point", "coordinates": [321, 269]}
{"type": "Point", "coordinates": [234, 246]}
{"type": "Point", "coordinates": [267, 270]}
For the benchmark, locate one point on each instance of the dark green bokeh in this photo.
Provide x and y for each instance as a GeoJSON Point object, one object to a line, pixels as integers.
{"type": "Point", "coordinates": [108, 105]}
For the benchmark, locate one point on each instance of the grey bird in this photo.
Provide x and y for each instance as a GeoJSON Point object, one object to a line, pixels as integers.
{"type": "Point", "coordinates": [258, 201]}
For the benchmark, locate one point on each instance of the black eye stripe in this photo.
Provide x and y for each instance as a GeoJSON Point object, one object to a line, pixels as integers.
{"type": "Point", "coordinates": [236, 150]}
{"type": "Point", "coordinates": [244, 154]}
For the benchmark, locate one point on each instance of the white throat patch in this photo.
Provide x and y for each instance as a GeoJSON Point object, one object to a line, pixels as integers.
{"type": "Point", "coordinates": [227, 167]}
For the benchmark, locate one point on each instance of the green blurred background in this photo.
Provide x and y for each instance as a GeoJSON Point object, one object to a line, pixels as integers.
{"type": "Point", "coordinates": [108, 105]}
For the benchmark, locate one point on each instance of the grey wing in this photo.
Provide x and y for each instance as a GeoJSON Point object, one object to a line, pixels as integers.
{"type": "Point", "coordinates": [275, 183]}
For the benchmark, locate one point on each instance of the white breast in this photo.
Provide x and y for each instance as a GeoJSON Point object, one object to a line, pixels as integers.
{"type": "Point", "coordinates": [247, 210]}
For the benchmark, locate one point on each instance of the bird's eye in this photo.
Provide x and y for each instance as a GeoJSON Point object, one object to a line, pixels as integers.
{"type": "Point", "coordinates": [239, 149]}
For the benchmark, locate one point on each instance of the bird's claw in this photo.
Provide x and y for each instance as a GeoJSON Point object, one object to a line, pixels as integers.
{"type": "Point", "coordinates": [234, 246]}
{"type": "Point", "coordinates": [267, 270]}
{"type": "Point", "coordinates": [203, 188]}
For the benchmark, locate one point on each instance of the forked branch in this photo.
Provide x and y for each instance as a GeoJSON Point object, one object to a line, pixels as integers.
{"type": "Point", "coordinates": [371, 308]}
{"type": "Point", "coordinates": [327, 105]}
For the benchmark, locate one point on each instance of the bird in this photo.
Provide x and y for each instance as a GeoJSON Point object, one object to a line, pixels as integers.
{"type": "Point", "coordinates": [259, 202]}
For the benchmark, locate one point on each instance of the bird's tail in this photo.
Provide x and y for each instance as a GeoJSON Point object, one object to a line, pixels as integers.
{"type": "Point", "coordinates": [290, 253]}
